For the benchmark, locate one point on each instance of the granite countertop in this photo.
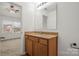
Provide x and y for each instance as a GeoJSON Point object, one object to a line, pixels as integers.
{"type": "Point", "coordinates": [46, 36]}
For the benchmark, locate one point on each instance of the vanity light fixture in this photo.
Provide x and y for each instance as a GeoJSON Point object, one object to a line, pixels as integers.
{"type": "Point", "coordinates": [41, 4]}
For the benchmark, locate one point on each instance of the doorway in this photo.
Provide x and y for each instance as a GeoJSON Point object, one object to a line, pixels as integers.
{"type": "Point", "coordinates": [10, 29]}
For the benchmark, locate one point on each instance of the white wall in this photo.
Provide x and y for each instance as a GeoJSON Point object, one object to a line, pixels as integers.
{"type": "Point", "coordinates": [51, 21]}
{"type": "Point", "coordinates": [0, 24]}
{"type": "Point", "coordinates": [37, 19]}
{"type": "Point", "coordinates": [67, 27]}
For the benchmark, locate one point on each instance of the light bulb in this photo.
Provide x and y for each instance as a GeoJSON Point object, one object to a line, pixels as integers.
{"type": "Point", "coordinates": [13, 12]}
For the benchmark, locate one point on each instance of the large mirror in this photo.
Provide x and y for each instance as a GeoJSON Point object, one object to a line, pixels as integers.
{"type": "Point", "coordinates": [10, 29]}
{"type": "Point", "coordinates": [46, 12]}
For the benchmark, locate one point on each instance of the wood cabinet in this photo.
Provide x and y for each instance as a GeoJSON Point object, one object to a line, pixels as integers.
{"type": "Point", "coordinates": [38, 46]}
{"type": "Point", "coordinates": [29, 46]}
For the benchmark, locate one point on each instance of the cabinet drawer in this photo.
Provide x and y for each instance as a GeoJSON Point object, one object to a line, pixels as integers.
{"type": "Point", "coordinates": [33, 38]}
{"type": "Point", "coordinates": [26, 36]}
{"type": "Point", "coordinates": [43, 41]}
{"type": "Point", "coordinates": [30, 37]}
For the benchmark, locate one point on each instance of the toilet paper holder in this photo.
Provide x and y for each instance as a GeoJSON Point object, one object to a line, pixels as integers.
{"type": "Point", "coordinates": [74, 45]}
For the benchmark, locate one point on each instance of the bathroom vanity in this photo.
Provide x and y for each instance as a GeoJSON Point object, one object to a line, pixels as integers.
{"type": "Point", "coordinates": [41, 43]}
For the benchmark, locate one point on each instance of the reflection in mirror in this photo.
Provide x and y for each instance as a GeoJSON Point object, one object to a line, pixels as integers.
{"type": "Point", "coordinates": [10, 29]}
{"type": "Point", "coordinates": [44, 21]}
{"type": "Point", "coordinates": [48, 15]}
{"type": "Point", "coordinates": [51, 21]}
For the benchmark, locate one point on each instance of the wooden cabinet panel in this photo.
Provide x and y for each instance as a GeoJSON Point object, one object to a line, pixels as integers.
{"type": "Point", "coordinates": [33, 38]}
{"type": "Point", "coordinates": [42, 50]}
{"type": "Point", "coordinates": [29, 46]}
{"type": "Point", "coordinates": [26, 37]}
{"type": "Point", "coordinates": [35, 49]}
{"type": "Point", "coordinates": [43, 41]}
{"type": "Point", "coordinates": [53, 47]}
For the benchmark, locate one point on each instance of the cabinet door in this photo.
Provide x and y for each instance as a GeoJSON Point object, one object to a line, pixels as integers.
{"type": "Point", "coordinates": [29, 46]}
{"type": "Point", "coordinates": [42, 50]}
{"type": "Point", "coordinates": [35, 48]}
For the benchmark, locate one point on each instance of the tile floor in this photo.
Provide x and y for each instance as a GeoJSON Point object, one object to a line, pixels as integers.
{"type": "Point", "coordinates": [10, 47]}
